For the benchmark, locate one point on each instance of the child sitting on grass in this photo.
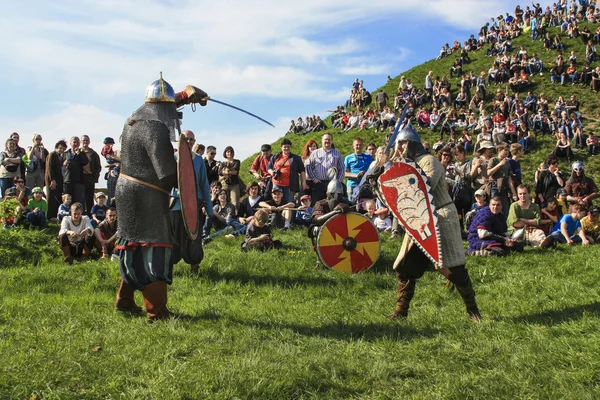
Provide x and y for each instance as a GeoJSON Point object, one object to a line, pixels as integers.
{"type": "Point", "coordinates": [64, 210]}
{"type": "Point", "coordinates": [370, 207]}
{"type": "Point", "coordinates": [37, 209]}
{"type": "Point", "coordinates": [549, 215]}
{"type": "Point", "coordinates": [304, 213]}
{"type": "Point", "coordinates": [258, 234]}
{"type": "Point", "coordinates": [99, 210]}
{"type": "Point", "coordinates": [383, 222]}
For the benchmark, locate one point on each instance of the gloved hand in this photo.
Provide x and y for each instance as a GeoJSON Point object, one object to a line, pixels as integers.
{"type": "Point", "coordinates": [344, 208]}
{"type": "Point", "coordinates": [191, 95]}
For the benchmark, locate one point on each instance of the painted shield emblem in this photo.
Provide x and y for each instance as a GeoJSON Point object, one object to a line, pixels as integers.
{"type": "Point", "coordinates": [408, 195]}
{"type": "Point", "coordinates": [188, 189]}
{"type": "Point", "coordinates": [348, 243]}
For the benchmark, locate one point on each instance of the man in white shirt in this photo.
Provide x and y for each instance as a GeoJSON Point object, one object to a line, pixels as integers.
{"type": "Point", "coordinates": [76, 235]}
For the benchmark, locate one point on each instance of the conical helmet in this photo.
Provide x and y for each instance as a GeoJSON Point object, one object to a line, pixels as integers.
{"type": "Point", "coordinates": [408, 133]}
{"type": "Point", "coordinates": [160, 92]}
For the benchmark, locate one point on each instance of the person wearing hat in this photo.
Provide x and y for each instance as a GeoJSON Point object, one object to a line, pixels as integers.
{"type": "Point", "coordinates": [37, 209]}
{"type": "Point", "coordinates": [581, 189]}
{"type": "Point", "coordinates": [479, 166]}
{"type": "Point", "coordinates": [276, 207]}
{"type": "Point", "coordinates": [259, 168]}
{"type": "Point", "coordinates": [304, 213]}
{"type": "Point", "coordinates": [590, 227]}
{"type": "Point", "coordinates": [99, 209]}
{"type": "Point", "coordinates": [107, 150]}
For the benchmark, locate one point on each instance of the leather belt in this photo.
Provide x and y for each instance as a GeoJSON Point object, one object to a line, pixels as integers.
{"type": "Point", "coordinates": [131, 178]}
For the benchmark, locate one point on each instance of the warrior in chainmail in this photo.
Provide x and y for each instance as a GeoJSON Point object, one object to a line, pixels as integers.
{"type": "Point", "coordinates": [412, 263]}
{"type": "Point", "coordinates": [148, 173]}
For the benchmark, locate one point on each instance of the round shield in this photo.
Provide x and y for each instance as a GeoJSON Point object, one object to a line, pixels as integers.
{"type": "Point", "coordinates": [188, 188]}
{"type": "Point", "coordinates": [348, 243]}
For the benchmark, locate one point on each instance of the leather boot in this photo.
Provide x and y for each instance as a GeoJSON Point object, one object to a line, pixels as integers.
{"type": "Point", "coordinates": [67, 253]}
{"type": "Point", "coordinates": [155, 300]}
{"type": "Point", "coordinates": [85, 253]}
{"type": "Point", "coordinates": [125, 300]}
{"type": "Point", "coordinates": [406, 291]}
{"type": "Point", "coordinates": [468, 295]}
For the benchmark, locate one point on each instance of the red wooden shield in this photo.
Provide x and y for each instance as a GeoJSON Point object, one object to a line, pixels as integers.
{"type": "Point", "coordinates": [188, 188]}
{"type": "Point", "coordinates": [348, 243]}
{"type": "Point", "coordinates": [407, 193]}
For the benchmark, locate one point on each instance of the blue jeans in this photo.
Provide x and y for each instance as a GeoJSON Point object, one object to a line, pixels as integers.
{"type": "Point", "coordinates": [231, 223]}
{"type": "Point", "coordinates": [37, 220]}
{"type": "Point", "coordinates": [561, 238]}
{"type": "Point", "coordinates": [5, 183]}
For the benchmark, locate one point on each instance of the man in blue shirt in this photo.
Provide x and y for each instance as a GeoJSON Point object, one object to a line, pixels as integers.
{"type": "Point", "coordinates": [356, 165]}
{"type": "Point", "coordinates": [566, 231]}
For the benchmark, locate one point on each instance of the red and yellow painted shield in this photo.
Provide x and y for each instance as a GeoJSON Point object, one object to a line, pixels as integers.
{"type": "Point", "coordinates": [348, 243]}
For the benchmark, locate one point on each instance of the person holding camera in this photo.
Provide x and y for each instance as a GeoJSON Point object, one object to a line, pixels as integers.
{"type": "Point", "coordinates": [287, 172]}
{"type": "Point", "coordinates": [74, 161]}
{"type": "Point", "coordinates": [36, 155]}
{"type": "Point", "coordinates": [10, 162]}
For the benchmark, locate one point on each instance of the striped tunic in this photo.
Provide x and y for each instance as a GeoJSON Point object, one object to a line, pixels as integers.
{"type": "Point", "coordinates": [321, 161]}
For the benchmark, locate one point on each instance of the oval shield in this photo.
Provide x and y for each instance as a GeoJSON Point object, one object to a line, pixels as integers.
{"type": "Point", "coordinates": [348, 243]}
{"type": "Point", "coordinates": [188, 188]}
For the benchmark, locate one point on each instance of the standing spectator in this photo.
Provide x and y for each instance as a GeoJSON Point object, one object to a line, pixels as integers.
{"type": "Point", "coordinates": [74, 161]}
{"type": "Point", "coordinates": [91, 172]}
{"type": "Point", "coordinates": [212, 165]}
{"type": "Point", "coordinates": [36, 155]}
{"type": "Point", "coordinates": [287, 172]}
{"type": "Point", "coordinates": [229, 176]}
{"type": "Point", "coordinates": [549, 181]}
{"type": "Point", "coordinates": [20, 153]}
{"type": "Point", "coordinates": [462, 192]}
{"type": "Point", "coordinates": [309, 147]}
{"type": "Point", "coordinates": [259, 168]}
{"type": "Point", "coordinates": [54, 178]}
{"type": "Point", "coordinates": [381, 98]}
{"type": "Point", "coordinates": [356, 165]}
{"type": "Point", "coordinates": [320, 161]}
{"type": "Point", "coordinates": [10, 163]}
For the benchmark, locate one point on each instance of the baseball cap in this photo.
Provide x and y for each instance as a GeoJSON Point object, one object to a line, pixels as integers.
{"type": "Point", "coordinates": [561, 191]}
{"type": "Point", "coordinates": [277, 189]}
{"type": "Point", "coordinates": [37, 189]}
{"type": "Point", "coordinates": [108, 140]}
{"type": "Point", "coordinates": [480, 192]}
{"type": "Point", "coordinates": [265, 147]}
{"type": "Point", "coordinates": [594, 210]}
{"type": "Point", "coordinates": [486, 144]}
{"type": "Point", "coordinates": [100, 194]}
{"type": "Point", "coordinates": [305, 197]}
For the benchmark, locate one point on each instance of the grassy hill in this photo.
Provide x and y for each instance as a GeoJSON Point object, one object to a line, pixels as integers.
{"type": "Point", "coordinates": [270, 326]}
{"type": "Point", "coordinates": [590, 103]}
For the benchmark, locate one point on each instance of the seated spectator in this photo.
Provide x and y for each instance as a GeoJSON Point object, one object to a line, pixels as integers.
{"type": "Point", "coordinates": [549, 215]}
{"type": "Point", "coordinates": [10, 209]}
{"type": "Point", "coordinates": [248, 207]}
{"type": "Point", "coordinates": [106, 234]}
{"type": "Point", "coordinates": [563, 147]}
{"type": "Point", "coordinates": [65, 208]}
{"type": "Point", "coordinates": [581, 189]}
{"type": "Point", "coordinates": [76, 235]}
{"type": "Point", "coordinates": [382, 222]}
{"type": "Point", "coordinates": [37, 209]}
{"type": "Point", "coordinates": [586, 74]}
{"type": "Point", "coordinates": [223, 218]}
{"type": "Point", "coordinates": [595, 83]}
{"type": "Point", "coordinates": [572, 73]}
{"type": "Point", "coordinates": [435, 119]}
{"type": "Point", "coordinates": [23, 192]}
{"type": "Point", "coordinates": [99, 210]}
{"type": "Point", "coordinates": [524, 214]}
{"type": "Point", "coordinates": [568, 228]}
{"type": "Point", "coordinates": [370, 208]}
{"type": "Point", "coordinates": [590, 227]}
{"type": "Point", "coordinates": [423, 118]}
{"type": "Point", "coordinates": [258, 234]}
{"type": "Point", "coordinates": [304, 213]}
{"type": "Point", "coordinates": [277, 209]}
{"type": "Point", "coordinates": [487, 232]}
{"type": "Point", "coordinates": [591, 143]}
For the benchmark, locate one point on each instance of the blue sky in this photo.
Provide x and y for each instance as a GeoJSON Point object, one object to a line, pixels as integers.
{"type": "Point", "coordinates": [81, 67]}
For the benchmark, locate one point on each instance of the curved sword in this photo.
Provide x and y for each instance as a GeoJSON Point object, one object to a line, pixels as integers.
{"type": "Point", "coordinates": [242, 110]}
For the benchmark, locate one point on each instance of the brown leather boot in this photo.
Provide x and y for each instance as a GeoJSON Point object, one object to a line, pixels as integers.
{"type": "Point", "coordinates": [125, 300]}
{"type": "Point", "coordinates": [406, 291]}
{"type": "Point", "coordinates": [67, 254]}
{"type": "Point", "coordinates": [468, 295]}
{"type": "Point", "coordinates": [155, 300]}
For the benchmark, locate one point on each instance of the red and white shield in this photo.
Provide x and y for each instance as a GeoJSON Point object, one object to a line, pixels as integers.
{"type": "Point", "coordinates": [408, 195]}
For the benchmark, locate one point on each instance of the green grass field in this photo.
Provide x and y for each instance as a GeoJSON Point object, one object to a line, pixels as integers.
{"type": "Point", "coordinates": [270, 326]}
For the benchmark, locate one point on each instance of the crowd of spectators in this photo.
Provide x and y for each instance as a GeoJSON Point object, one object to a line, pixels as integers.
{"type": "Point", "coordinates": [483, 134]}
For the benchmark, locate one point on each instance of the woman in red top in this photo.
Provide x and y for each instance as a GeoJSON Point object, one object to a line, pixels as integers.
{"type": "Point", "coordinates": [287, 171]}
